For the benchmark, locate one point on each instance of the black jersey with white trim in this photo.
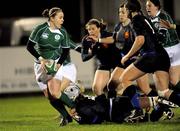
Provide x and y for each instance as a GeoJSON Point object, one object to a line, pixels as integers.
{"type": "Point", "coordinates": [153, 55]}
{"type": "Point", "coordinates": [142, 26]}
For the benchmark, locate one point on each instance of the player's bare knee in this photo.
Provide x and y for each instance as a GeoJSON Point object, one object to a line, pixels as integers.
{"type": "Point", "coordinates": [122, 80]}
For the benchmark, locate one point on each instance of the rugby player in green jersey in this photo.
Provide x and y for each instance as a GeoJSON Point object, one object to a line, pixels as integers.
{"type": "Point", "coordinates": [166, 30]}
{"type": "Point", "coordinates": [170, 41]}
{"type": "Point", "coordinates": [50, 41]}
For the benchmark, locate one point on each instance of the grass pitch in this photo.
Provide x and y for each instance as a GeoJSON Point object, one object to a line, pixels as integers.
{"type": "Point", "coordinates": [36, 114]}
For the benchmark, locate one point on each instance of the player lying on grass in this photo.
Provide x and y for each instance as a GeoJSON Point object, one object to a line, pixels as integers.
{"type": "Point", "coordinates": [95, 110]}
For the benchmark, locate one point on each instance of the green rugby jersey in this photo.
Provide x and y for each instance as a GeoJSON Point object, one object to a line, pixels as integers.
{"type": "Point", "coordinates": [171, 36]}
{"type": "Point", "coordinates": [49, 43]}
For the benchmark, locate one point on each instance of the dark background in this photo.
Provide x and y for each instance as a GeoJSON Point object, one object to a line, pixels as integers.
{"type": "Point", "coordinates": [31, 8]}
{"type": "Point", "coordinates": [75, 11]}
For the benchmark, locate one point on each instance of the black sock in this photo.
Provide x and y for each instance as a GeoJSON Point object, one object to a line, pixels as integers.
{"type": "Point", "coordinates": [152, 93]}
{"type": "Point", "coordinates": [176, 88]}
{"type": "Point", "coordinates": [130, 91]}
{"type": "Point", "coordinates": [112, 89]}
{"type": "Point", "coordinates": [175, 98]}
{"type": "Point", "coordinates": [58, 105]}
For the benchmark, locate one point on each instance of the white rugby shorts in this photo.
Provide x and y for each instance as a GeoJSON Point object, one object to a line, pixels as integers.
{"type": "Point", "coordinates": [67, 71]}
{"type": "Point", "coordinates": [174, 54]}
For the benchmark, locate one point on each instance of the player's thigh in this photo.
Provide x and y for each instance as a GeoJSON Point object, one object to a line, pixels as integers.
{"type": "Point", "coordinates": [54, 87]}
{"type": "Point", "coordinates": [101, 78]}
{"type": "Point", "coordinates": [131, 73]}
{"type": "Point", "coordinates": [115, 75]}
{"type": "Point", "coordinates": [161, 79]}
{"type": "Point", "coordinates": [143, 83]}
{"type": "Point", "coordinates": [174, 74]}
{"type": "Point", "coordinates": [64, 83]}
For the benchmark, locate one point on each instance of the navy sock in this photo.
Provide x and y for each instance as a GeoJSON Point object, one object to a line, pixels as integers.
{"type": "Point", "coordinates": [176, 88]}
{"type": "Point", "coordinates": [152, 93]}
{"type": "Point", "coordinates": [112, 89]}
{"type": "Point", "coordinates": [130, 91]}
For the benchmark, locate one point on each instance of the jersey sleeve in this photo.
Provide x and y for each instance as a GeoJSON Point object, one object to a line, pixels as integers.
{"type": "Point", "coordinates": [75, 46]}
{"type": "Point", "coordinates": [165, 16]}
{"type": "Point", "coordinates": [66, 41]}
{"type": "Point", "coordinates": [86, 46]}
{"type": "Point", "coordinates": [72, 44]}
{"type": "Point", "coordinates": [35, 34]}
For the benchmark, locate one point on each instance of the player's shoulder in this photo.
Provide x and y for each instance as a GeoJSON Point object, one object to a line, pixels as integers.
{"type": "Point", "coordinates": [40, 27]}
{"type": "Point", "coordinates": [163, 14]}
{"type": "Point", "coordinates": [117, 27]}
{"type": "Point", "coordinates": [138, 19]}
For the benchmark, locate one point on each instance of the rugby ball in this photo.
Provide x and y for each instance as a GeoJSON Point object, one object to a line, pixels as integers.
{"type": "Point", "coordinates": [72, 91]}
{"type": "Point", "coordinates": [51, 67]}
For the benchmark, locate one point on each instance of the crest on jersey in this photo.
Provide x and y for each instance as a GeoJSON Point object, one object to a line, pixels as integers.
{"type": "Point", "coordinates": [45, 35]}
{"type": "Point", "coordinates": [57, 37]}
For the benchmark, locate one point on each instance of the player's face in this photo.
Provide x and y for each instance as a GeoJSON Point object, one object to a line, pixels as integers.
{"type": "Point", "coordinates": [58, 19]}
{"type": "Point", "coordinates": [123, 14]}
{"type": "Point", "coordinates": [93, 30]}
{"type": "Point", "coordinates": [151, 9]}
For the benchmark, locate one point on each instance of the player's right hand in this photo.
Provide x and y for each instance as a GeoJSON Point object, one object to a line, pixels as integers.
{"type": "Point", "coordinates": [43, 62]}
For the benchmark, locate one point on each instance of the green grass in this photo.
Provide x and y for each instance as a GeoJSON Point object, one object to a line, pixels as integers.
{"type": "Point", "coordinates": [35, 114]}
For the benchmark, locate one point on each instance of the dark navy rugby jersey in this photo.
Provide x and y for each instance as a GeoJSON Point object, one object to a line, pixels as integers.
{"type": "Point", "coordinates": [106, 54]}
{"type": "Point", "coordinates": [142, 26]}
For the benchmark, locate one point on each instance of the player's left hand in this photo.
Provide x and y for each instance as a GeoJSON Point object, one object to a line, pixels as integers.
{"type": "Point", "coordinates": [73, 112]}
{"type": "Point", "coordinates": [58, 66]}
{"type": "Point", "coordinates": [166, 24]}
{"type": "Point", "coordinates": [43, 62]}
